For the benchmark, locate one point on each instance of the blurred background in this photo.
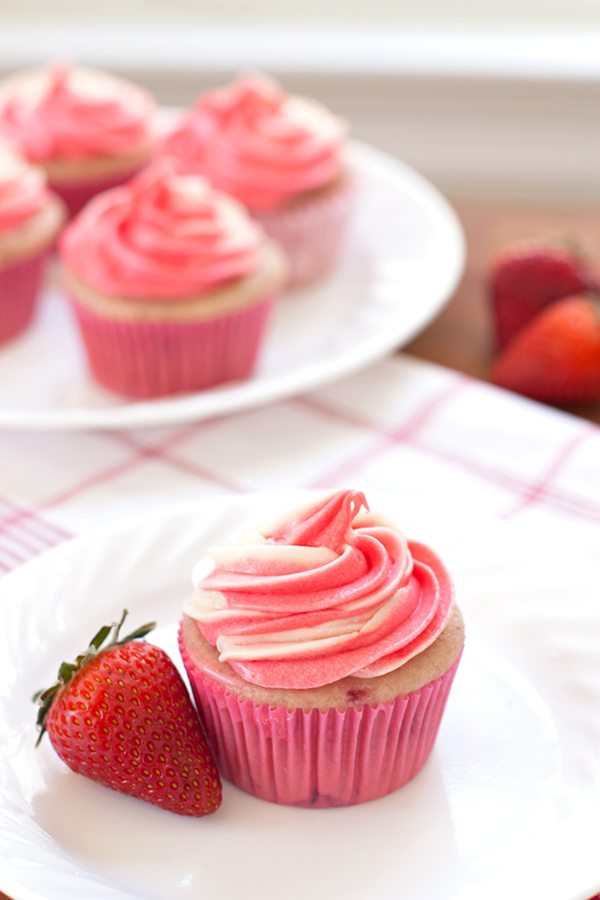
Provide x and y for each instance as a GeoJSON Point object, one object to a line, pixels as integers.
{"type": "Point", "coordinates": [488, 99]}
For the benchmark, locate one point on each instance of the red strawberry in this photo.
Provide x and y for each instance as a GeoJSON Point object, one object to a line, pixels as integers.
{"type": "Point", "coordinates": [556, 358]}
{"type": "Point", "coordinates": [526, 278]}
{"type": "Point", "coordinates": [121, 715]}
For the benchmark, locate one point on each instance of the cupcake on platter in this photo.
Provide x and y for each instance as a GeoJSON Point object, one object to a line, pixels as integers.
{"type": "Point", "coordinates": [282, 157]}
{"type": "Point", "coordinates": [171, 283]}
{"type": "Point", "coordinates": [88, 130]}
{"type": "Point", "coordinates": [321, 651]}
{"type": "Point", "coordinates": [30, 219]}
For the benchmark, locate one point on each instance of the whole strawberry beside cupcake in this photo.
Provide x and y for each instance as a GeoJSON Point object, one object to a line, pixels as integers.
{"type": "Point", "coordinates": [121, 715]}
{"type": "Point", "coordinates": [30, 218]}
{"type": "Point", "coordinates": [171, 283]}
{"type": "Point", "coordinates": [321, 650]}
{"type": "Point", "coordinates": [282, 156]}
{"type": "Point", "coordinates": [546, 313]}
{"type": "Point", "coordinates": [87, 129]}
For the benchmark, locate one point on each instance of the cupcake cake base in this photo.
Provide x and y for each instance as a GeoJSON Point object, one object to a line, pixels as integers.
{"type": "Point", "coordinates": [346, 743]}
{"type": "Point", "coordinates": [148, 348]}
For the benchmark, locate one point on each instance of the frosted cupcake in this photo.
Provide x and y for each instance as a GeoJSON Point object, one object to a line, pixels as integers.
{"type": "Point", "coordinates": [172, 284]}
{"type": "Point", "coordinates": [88, 130]}
{"type": "Point", "coordinates": [321, 651]}
{"type": "Point", "coordinates": [282, 157]}
{"type": "Point", "coordinates": [30, 218]}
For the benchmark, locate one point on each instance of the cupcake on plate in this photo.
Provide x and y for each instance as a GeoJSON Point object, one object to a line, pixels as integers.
{"type": "Point", "coordinates": [321, 651]}
{"type": "Point", "coordinates": [30, 219]}
{"type": "Point", "coordinates": [171, 283]}
{"type": "Point", "coordinates": [282, 157]}
{"type": "Point", "coordinates": [88, 130]}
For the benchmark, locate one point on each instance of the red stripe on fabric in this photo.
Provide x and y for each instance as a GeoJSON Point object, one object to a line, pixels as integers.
{"type": "Point", "coordinates": [564, 501]}
{"type": "Point", "coordinates": [10, 552]}
{"type": "Point", "coordinates": [24, 542]}
{"type": "Point", "coordinates": [24, 535]}
{"type": "Point", "coordinates": [142, 453]}
{"type": "Point", "coordinates": [537, 491]}
{"type": "Point", "coordinates": [35, 534]}
{"type": "Point", "coordinates": [386, 437]}
{"type": "Point", "coordinates": [164, 452]}
{"type": "Point", "coordinates": [346, 416]}
{"type": "Point", "coordinates": [50, 530]}
{"type": "Point", "coordinates": [192, 468]}
{"type": "Point", "coordinates": [170, 440]}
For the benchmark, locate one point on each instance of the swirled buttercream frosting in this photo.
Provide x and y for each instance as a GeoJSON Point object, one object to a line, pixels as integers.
{"type": "Point", "coordinates": [163, 236]}
{"type": "Point", "coordinates": [22, 191]}
{"type": "Point", "coordinates": [331, 591]}
{"type": "Point", "coordinates": [70, 114]}
{"type": "Point", "coordinates": [259, 144]}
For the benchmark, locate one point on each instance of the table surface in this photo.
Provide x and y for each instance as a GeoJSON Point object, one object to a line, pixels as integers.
{"type": "Point", "coordinates": [461, 337]}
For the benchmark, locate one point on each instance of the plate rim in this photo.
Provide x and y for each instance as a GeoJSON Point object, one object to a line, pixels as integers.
{"type": "Point", "coordinates": [156, 520]}
{"type": "Point", "coordinates": [177, 410]}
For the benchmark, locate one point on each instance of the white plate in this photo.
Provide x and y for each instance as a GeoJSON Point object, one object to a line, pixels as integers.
{"type": "Point", "coordinates": [506, 806]}
{"type": "Point", "coordinates": [400, 263]}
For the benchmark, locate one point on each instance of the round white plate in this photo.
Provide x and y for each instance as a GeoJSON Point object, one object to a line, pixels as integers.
{"type": "Point", "coordinates": [401, 261]}
{"type": "Point", "coordinates": [505, 807]}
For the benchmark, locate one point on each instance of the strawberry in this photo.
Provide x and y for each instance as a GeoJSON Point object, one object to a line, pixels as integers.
{"type": "Point", "coordinates": [121, 715]}
{"type": "Point", "coordinates": [556, 358]}
{"type": "Point", "coordinates": [528, 277]}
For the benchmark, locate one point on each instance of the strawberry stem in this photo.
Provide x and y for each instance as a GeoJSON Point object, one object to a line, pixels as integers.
{"type": "Point", "coordinates": [46, 696]}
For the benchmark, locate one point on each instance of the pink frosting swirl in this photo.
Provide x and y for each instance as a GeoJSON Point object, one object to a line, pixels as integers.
{"type": "Point", "coordinates": [330, 592]}
{"type": "Point", "coordinates": [162, 236]}
{"type": "Point", "coordinates": [23, 191]}
{"type": "Point", "coordinates": [65, 113]}
{"type": "Point", "coordinates": [259, 144]}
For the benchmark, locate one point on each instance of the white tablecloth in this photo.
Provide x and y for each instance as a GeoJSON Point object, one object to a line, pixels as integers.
{"type": "Point", "coordinates": [403, 424]}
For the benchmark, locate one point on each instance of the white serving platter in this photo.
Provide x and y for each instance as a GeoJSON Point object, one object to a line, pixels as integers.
{"type": "Point", "coordinates": [400, 263]}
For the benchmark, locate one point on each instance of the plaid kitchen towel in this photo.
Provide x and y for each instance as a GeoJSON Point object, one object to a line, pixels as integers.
{"type": "Point", "coordinates": [402, 424]}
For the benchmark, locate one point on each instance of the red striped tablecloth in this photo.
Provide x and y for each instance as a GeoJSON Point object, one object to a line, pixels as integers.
{"type": "Point", "coordinates": [403, 424]}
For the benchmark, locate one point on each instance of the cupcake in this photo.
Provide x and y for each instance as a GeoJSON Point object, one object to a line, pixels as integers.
{"type": "Point", "coordinates": [30, 218]}
{"type": "Point", "coordinates": [88, 130]}
{"type": "Point", "coordinates": [282, 157]}
{"type": "Point", "coordinates": [321, 651]}
{"type": "Point", "coordinates": [171, 284]}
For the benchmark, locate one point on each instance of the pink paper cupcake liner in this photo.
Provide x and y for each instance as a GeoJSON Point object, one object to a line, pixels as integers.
{"type": "Point", "coordinates": [75, 195]}
{"type": "Point", "coordinates": [20, 287]}
{"type": "Point", "coordinates": [310, 233]}
{"type": "Point", "coordinates": [319, 758]}
{"type": "Point", "coordinates": [144, 359]}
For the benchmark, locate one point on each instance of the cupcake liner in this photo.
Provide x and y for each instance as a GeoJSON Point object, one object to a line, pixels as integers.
{"type": "Point", "coordinates": [20, 286]}
{"type": "Point", "coordinates": [76, 194]}
{"type": "Point", "coordinates": [310, 233]}
{"type": "Point", "coordinates": [144, 359]}
{"type": "Point", "coordinates": [319, 758]}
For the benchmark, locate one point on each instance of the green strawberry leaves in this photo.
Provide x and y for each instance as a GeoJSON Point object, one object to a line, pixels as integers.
{"type": "Point", "coordinates": [45, 697]}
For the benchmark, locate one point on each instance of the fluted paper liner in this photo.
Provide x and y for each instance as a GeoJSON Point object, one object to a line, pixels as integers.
{"type": "Point", "coordinates": [311, 232]}
{"type": "Point", "coordinates": [144, 359]}
{"type": "Point", "coordinates": [20, 287]}
{"type": "Point", "coordinates": [319, 758]}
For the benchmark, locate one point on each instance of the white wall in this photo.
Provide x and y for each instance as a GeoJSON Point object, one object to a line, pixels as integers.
{"type": "Point", "coordinates": [569, 14]}
{"type": "Point", "coordinates": [509, 112]}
